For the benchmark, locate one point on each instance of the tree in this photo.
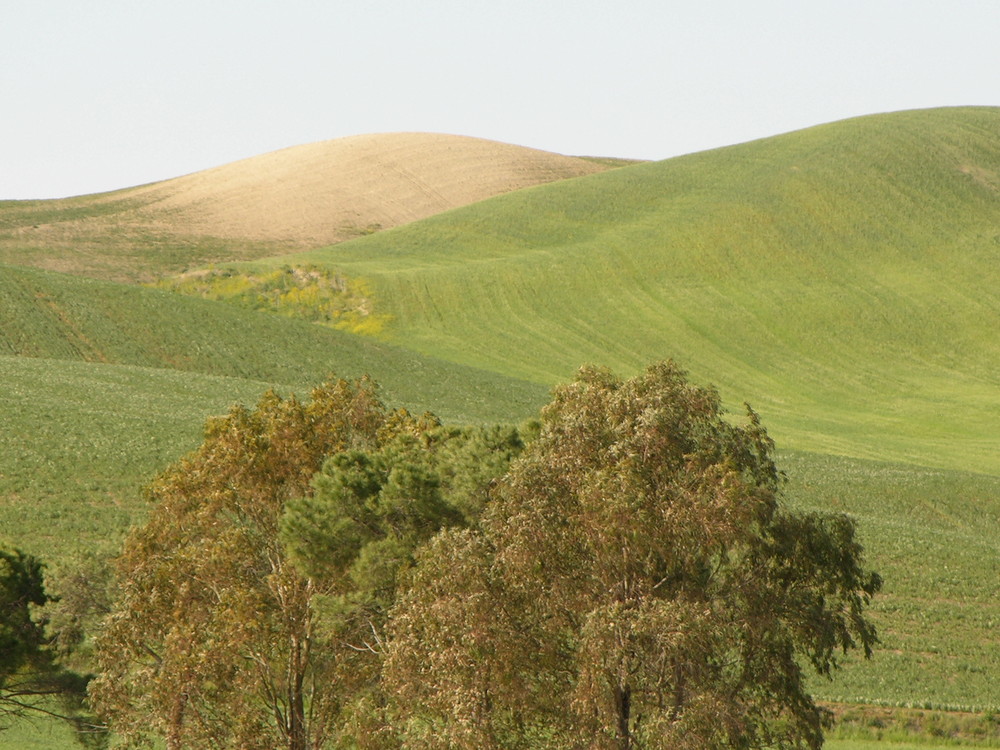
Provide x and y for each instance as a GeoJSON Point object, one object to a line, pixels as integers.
{"type": "Point", "coordinates": [636, 583]}
{"type": "Point", "coordinates": [357, 533]}
{"type": "Point", "coordinates": [251, 605]}
{"type": "Point", "coordinates": [33, 684]}
{"type": "Point", "coordinates": [22, 638]}
{"type": "Point", "coordinates": [212, 640]}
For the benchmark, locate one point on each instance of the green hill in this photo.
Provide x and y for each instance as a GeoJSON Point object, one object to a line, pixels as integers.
{"type": "Point", "coordinates": [844, 279]}
{"type": "Point", "coordinates": [105, 384]}
{"type": "Point", "coordinates": [55, 316]}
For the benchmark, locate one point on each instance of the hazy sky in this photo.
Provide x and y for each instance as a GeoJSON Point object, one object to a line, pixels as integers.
{"type": "Point", "coordinates": [105, 94]}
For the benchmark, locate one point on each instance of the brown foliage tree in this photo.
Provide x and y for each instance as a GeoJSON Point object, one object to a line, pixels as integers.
{"type": "Point", "coordinates": [212, 640]}
{"type": "Point", "coordinates": [635, 584]}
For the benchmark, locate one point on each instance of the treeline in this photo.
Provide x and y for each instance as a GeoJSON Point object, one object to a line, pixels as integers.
{"type": "Point", "coordinates": [621, 574]}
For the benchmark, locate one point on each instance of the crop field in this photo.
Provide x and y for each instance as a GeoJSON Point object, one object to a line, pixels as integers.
{"type": "Point", "coordinates": [80, 440]}
{"type": "Point", "coordinates": [104, 237]}
{"type": "Point", "coordinates": [932, 535]}
{"type": "Point", "coordinates": [54, 316]}
{"type": "Point", "coordinates": [844, 280]}
{"type": "Point", "coordinates": [105, 384]}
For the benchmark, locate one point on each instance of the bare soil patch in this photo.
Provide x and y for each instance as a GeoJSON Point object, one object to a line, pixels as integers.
{"type": "Point", "coordinates": [327, 192]}
{"type": "Point", "coordinates": [297, 198]}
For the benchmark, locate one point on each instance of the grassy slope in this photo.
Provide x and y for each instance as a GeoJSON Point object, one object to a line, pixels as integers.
{"type": "Point", "coordinates": [844, 279]}
{"type": "Point", "coordinates": [300, 197]}
{"type": "Point", "coordinates": [105, 384]}
{"type": "Point", "coordinates": [80, 439]}
{"type": "Point", "coordinates": [866, 336]}
{"type": "Point", "coordinates": [931, 533]}
{"type": "Point", "coordinates": [50, 315]}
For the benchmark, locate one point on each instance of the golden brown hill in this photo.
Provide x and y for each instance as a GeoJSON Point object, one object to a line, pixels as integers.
{"type": "Point", "coordinates": [325, 192]}
{"type": "Point", "coordinates": [304, 196]}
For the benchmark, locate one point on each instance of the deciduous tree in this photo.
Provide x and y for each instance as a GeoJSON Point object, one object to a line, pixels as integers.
{"type": "Point", "coordinates": [252, 604]}
{"type": "Point", "coordinates": [636, 584]}
{"type": "Point", "coordinates": [212, 641]}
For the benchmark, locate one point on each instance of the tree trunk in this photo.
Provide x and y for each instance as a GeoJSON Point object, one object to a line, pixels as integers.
{"type": "Point", "coordinates": [174, 738]}
{"type": "Point", "coordinates": [297, 736]}
{"type": "Point", "coordinates": [623, 707]}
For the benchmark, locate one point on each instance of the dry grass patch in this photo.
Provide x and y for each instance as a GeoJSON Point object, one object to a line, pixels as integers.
{"type": "Point", "coordinates": [325, 192]}
{"type": "Point", "coordinates": [297, 198]}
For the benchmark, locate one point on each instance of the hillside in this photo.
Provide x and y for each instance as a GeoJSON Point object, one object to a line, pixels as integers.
{"type": "Point", "coordinates": [304, 196]}
{"type": "Point", "coordinates": [58, 317]}
{"type": "Point", "coordinates": [845, 279]}
{"type": "Point", "coordinates": [81, 439]}
{"type": "Point", "coordinates": [106, 384]}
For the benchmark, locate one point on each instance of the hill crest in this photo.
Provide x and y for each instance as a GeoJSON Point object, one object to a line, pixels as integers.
{"type": "Point", "coordinates": [300, 197]}
{"type": "Point", "coordinates": [324, 192]}
{"type": "Point", "coordinates": [842, 278]}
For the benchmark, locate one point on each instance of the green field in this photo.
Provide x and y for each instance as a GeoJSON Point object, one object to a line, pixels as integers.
{"type": "Point", "coordinates": [932, 535]}
{"type": "Point", "coordinates": [106, 384]}
{"type": "Point", "coordinates": [845, 280]}
{"type": "Point", "coordinates": [55, 316]}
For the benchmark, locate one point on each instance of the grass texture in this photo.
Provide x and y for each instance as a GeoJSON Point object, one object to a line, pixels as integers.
{"type": "Point", "coordinates": [844, 279]}
{"type": "Point", "coordinates": [931, 533]}
{"type": "Point", "coordinates": [55, 316]}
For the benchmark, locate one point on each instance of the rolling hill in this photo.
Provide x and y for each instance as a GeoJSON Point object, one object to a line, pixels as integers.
{"type": "Point", "coordinates": [107, 383]}
{"type": "Point", "coordinates": [304, 196]}
{"type": "Point", "coordinates": [844, 279]}
{"type": "Point", "coordinates": [58, 317]}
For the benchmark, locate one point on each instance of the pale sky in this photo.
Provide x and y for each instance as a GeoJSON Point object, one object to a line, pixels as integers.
{"type": "Point", "coordinates": [97, 95]}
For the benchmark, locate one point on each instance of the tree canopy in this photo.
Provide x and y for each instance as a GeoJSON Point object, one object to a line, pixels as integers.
{"type": "Point", "coordinates": [211, 641]}
{"type": "Point", "coordinates": [251, 606]}
{"type": "Point", "coordinates": [331, 573]}
{"type": "Point", "coordinates": [635, 583]}
{"type": "Point", "coordinates": [357, 534]}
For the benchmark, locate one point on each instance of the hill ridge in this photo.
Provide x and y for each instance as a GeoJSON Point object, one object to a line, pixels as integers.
{"type": "Point", "coordinates": [298, 197]}
{"type": "Point", "coordinates": [844, 278]}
